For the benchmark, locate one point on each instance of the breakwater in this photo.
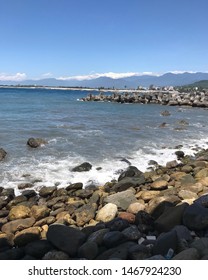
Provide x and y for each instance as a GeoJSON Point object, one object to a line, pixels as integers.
{"type": "Point", "coordinates": [171, 98]}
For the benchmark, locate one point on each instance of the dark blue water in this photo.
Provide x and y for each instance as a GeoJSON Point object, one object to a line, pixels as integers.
{"type": "Point", "coordinates": [101, 133]}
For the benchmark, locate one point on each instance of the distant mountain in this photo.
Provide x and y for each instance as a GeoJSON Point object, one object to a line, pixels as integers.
{"type": "Point", "coordinates": [168, 79]}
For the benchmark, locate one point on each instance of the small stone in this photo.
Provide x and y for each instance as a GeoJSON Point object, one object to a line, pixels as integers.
{"type": "Point", "coordinates": [36, 142]}
{"type": "Point", "coordinates": [127, 216]}
{"type": "Point", "coordinates": [159, 185]}
{"type": "Point", "coordinates": [3, 154]}
{"type": "Point", "coordinates": [132, 233]}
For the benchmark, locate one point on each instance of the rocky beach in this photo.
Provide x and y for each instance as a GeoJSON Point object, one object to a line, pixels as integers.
{"type": "Point", "coordinates": [154, 215]}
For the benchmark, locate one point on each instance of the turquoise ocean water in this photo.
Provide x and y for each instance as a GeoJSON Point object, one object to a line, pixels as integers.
{"type": "Point", "coordinates": [100, 133]}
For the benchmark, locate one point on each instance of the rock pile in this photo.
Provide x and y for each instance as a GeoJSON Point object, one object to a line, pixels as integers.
{"type": "Point", "coordinates": [171, 98]}
{"type": "Point", "coordinates": [160, 214]}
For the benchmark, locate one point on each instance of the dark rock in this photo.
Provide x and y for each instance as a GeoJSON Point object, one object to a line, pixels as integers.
{"type": "Point", "coordinates": [8, 192]}
{"type": "Point", "coordinates": [145, 219]}
{"type": "Point", "coordinates": [165, 242]}
{"type": "Point", "coordinates": [76, 186]}
{"type": "Point", "coordinates": [36, 142]}
{"type": "Point", "coordinates": [118, 252]}
{"type": "Point", "coordinates": [131, 171]}
{"type": "Point", "coordinates": [26, 236]}
{"type": "Point", "coordinates": [45, 221]}
{"type": "Point", "coordinates": [171, 217]}
{"type": "Point", "coordinates": [132, 233]}
{"type": "Point", "coordinates": [23, 186]}
{"type": "Point", "coordinates": [6, 241]}
{"type": "Point", "coordinates": [86, 166]}
{"type": "Point", "coordinates": [3, 154]}
{"type": "Point", "coordinates": [127, 183]}
{"type": "Point", "coordinates": [4, 213]}
{"type": "Point", "coordinates": [201, 245]}
{"type": "Point", "coordinates": [85, 193]}
{"type": "Point", "coordinates": [195, 217]}
{"type": "Point", "coordinates": [29, 193]}
{"type": "Point", "coordinates": [88, 250]}
{"type": "Point", "coordinates": [12, 254]}
{"type": "Point", "coordinates": [17, 200]}
{"type": "Point", "coordinates": [117, 224]}
{"type": "Point", "coordinates": [161, 208]}
{"type": "Point", "coordinates": [97, 236]}
{"type": "Point", "coordinates": [56, 255]}
{"type": "Point", "coordinates": [38, 248]}
{"type": "Point", "coordinates": [165, 113]}
{"type": "Point", "coordinates": [202, 200]}
{"type": "Point", "coordinates": [113, 238]}
{"type": "Point", "coordinates": [171, 164]}
{"type": "Point", "coordinates": [180, 154]}
{"type": "Point", "coordinates": [46, 191]}
{"type": "Point", "coordinates": [66, 239]}
{"type": "Point", "coordinates": [183, 233]}
{"type": "Point", "coordinates": [188, 254]}
{"type": "Point", "coordinates": [139, 252]}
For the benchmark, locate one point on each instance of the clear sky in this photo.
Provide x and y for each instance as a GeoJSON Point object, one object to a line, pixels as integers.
{"type": "Point", "coordinates": [63, 38]}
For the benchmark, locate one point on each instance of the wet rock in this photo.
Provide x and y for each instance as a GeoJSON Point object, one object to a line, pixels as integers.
{"type": "Point", "coordinates": [179, 154]}
{"type": "Point", "coordinates": [26, 236]}
{"type": "Point", "coordinates": [76, 186]}
{"type": "Point", "coordinates": [3, 154]}
{"type": "Point", "coordinates": [36, 142]}
{"type": "Point", "coordinates": [19, 212]}
{"type": "Point", "coordinates": [107, 213]}
{"type": "Point", "coordinates": [121, 199]}
{"type": "Point", "coordinates": [172, 164]}
{"type": "Point", "coordinates": [86, 166]}
{"type": "Point", "coordinates": [195, 217]}
{"type": "Point", "coordinates": [29, 193]}
{"type": "Point", "coordinates": [17, 200]}
{"type": "Point", "coordinates": [46, 191]}
{"type": "Point", "coordinates": [131, 171]}
{"type": "Point", "coordinates": [66, 239]}
{"type": "Point", "coordinates": [88, 250]}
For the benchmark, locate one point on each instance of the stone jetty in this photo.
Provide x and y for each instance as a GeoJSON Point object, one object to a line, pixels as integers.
{"type": "Point", "coordinates": [171, 98]}
{"type": "Point", "coordinates": [160, 214]}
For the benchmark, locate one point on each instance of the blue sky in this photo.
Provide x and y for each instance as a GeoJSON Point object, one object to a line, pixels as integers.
{"type": "Point", "coordinates": [64, 38]}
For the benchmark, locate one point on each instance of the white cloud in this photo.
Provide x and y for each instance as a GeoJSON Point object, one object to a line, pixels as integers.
{"type": "Point", "coordinates": [111, 75]}
{"type": "Point", "coordinates": [13, 77]}
{"type": "Point", "coordinates": [47, 75]}
{"type": "Point", "coordinates": [181, 72]}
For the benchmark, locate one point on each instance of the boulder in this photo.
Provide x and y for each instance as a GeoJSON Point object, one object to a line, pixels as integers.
{"type": "Point", "coordinates": [40, 212]}
{"type": "Point", "coordinates": [38, 248]}
{"type": "Point", "coordinates": [88, 250]}
{"type": "Point", "coordinates": [131, 171]}
{"type": "Point", "coordinates": [113, 238]}
{"type": "Point", "coordinates": [86, 166]}
{"type": "Point", "coordinates": [84, 214]}
{"type": "Point", "coordinates": [36, 142]}
{"type": "Point", "coordinates": [46, 191]}
{"type": "Point", "coordinates": [66, 239]}
{"type": "Point", "coordinates": [121, 199]}
{"type": "Point", "coordinates": [164, 242]}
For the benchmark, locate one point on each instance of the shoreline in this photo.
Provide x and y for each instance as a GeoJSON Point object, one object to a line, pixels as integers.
{"type": "Point", "coordinates": [159, 214]}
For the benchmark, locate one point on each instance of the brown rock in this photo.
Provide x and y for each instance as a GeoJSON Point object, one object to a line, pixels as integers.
{"type": "Point", "coordinates": [185, 194]}
{"type": "Point", "coordinates": [19, 212]}
{"type": "Point", "coordinates": [107, 213]}
{"type": "Point", "coordinates": [177, 175]}
{"type": "Point", "coordinates": [159, 184]}
{"type": "Point", "coordinates": [20, 224]}
{"type": "Point", "coordinates": [45, 221]}
{"type": "Point", "coordinates": [127, 216]}
{"type": "Point", "coordinates": [40, 212]}
{"type": "Point", "coordinates": [203, 181]}
{"type": "Point", "coordinates": [202, 173]}
{"type": "Point", "coordinates": [84, 214]}
{"type": "Point", "coordinates": [148, 195]}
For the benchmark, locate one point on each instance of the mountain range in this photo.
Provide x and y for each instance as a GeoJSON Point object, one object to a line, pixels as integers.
{"type": "Point", "coordinates": [168, 79]}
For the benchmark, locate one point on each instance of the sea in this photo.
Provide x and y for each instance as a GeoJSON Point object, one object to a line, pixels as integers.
{"type": "Point", "coordinates": [110, 136]}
